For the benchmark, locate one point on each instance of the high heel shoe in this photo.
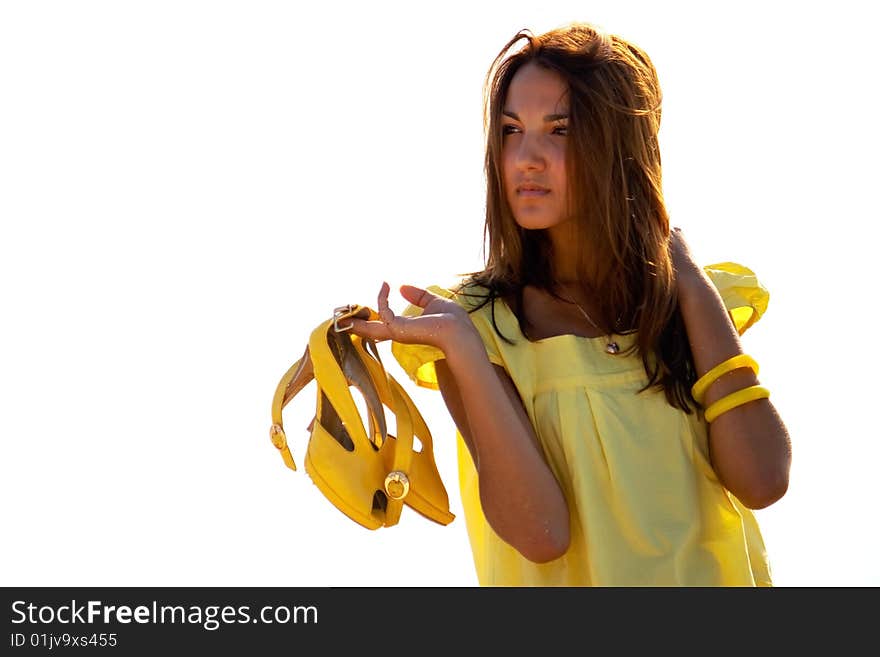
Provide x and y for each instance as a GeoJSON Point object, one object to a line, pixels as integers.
{"type": "Point", "coordinates": [366, 473]}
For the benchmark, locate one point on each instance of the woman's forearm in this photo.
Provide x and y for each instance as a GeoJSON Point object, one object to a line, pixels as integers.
{"type": "Point", "coordinates": [520, 497]}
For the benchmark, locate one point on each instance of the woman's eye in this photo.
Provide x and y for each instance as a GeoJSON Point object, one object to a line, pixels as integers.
{"type": "Point", "coordinates": [509, 129]}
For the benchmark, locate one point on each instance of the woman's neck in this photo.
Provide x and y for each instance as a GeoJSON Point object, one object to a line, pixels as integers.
{"type": "Point", "coordinates": [566, 255]}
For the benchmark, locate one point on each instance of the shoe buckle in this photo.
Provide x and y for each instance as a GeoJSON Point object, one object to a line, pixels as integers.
{"type": "Point", "coordinates": [340, 312]}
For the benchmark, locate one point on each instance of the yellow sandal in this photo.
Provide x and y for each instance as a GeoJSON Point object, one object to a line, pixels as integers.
{"type": "Point", "coordinates": [367, 476]}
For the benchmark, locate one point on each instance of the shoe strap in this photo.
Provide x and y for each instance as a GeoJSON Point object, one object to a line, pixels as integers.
{"type": "Point", "coordinates": [295, 379]}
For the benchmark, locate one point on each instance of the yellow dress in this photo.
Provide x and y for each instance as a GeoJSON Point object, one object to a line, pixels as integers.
{"type": "Point", "coordinates": [646, 506]}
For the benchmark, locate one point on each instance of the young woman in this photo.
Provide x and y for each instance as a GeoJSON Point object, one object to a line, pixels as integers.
{"type": "Point", "coordinates": [616, 434]}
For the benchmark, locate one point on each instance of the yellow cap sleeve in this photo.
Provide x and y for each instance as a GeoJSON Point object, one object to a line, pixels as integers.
{"type": "Point", "coordinates": [417, 360]}
{"type": "Point", "coordinates": [743, 295]}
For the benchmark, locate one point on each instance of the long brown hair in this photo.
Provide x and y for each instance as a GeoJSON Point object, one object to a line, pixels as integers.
{"type": "Point", "coordinates": [616, 198]}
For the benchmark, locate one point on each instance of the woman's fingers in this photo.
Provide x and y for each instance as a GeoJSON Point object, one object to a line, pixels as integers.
{"type": "Point", "coordinates": [416, 295]}
{"type": "Point", "coordinates": [371, 330]}
{"type": "Point", "coordinates": [398, 327]}
{"type": "Point", "coordinates": [381, 330]}
{"type": "Point", "coordinates": [385, 312]}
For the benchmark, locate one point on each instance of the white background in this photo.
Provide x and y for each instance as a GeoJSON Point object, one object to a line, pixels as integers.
{"type": "Point", "coordinates": [188, 188]}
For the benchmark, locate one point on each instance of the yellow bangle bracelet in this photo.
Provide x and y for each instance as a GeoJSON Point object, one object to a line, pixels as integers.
{"type": "Point", "coordinates": [735, 399]}
{"type": "Point", "coordinates": [703, 383]}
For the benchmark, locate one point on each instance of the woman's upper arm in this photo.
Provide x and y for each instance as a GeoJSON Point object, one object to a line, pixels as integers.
{"type": "Point", "coordinates": [455, 404]}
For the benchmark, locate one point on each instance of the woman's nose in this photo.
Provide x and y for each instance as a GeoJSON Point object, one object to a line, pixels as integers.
{"type": "Point", "coordinates": [530, 155]}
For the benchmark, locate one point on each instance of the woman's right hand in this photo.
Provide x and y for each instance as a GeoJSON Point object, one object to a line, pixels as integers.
{"type": "Point", "coordinates": [441, 323]}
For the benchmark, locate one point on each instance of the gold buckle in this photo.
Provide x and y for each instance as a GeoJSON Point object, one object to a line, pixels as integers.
{"type": "Point", "coordinates": [397, 485]}
{"type": "Point", "coordinates": [279, 439]}
{"type": "Point", "coordinates": [338, 313]}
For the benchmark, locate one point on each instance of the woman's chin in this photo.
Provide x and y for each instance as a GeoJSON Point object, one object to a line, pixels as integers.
{"type": "Point", "coordinates": [537, 223]}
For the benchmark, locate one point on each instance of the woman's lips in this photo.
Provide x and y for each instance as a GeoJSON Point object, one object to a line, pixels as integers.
{"type": "Point", "coordinates": [531, 190]}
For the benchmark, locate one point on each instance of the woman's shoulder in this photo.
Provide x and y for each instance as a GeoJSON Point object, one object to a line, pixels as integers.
{"type": "Point", "coordinates": [468, 292]}
{"type": "Point", "coordinates": [744, 295]}
{"type": "Point", "coordinates": [473, 295]}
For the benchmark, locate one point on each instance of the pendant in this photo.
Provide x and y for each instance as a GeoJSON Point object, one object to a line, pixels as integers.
{"type": "Point", "coordinates": [612, 348]}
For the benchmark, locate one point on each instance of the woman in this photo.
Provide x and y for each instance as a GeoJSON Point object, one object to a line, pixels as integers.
{"type": "Point", "coordinates": [582, 366]}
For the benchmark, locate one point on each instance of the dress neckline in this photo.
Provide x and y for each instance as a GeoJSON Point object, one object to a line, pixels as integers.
{"type": "Point", "coordinates": [562, 336]}
{"type": "Point", "coordinates": [598, 342]}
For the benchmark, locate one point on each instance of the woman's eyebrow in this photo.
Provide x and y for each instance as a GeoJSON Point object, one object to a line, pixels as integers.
{"type": "Point", "coordinates": [547, 119]}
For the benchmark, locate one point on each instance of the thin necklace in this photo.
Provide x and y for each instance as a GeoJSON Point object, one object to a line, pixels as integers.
{"type": "Point", "coordinates": [611, 347]}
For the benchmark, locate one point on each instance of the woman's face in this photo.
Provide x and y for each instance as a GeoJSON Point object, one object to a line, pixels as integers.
{"type": "Point", "coordinates": [534, 135]}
